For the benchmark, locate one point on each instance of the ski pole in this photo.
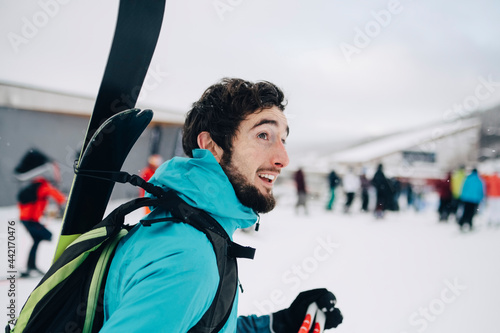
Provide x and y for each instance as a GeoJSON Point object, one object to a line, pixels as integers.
{"type": "Point", "coordinates": [308, 319]}
{"type": "Point", "coordinates": [320, 320]}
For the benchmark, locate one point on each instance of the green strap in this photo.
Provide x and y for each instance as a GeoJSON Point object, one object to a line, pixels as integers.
{"type": "Point", "coordinates": [95, 285]}
{"type": "Point", "coordinates": [45, 288]}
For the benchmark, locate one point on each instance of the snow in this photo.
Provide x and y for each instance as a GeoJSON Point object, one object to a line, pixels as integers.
{"type": "Point", "coordinates": [403, 274]}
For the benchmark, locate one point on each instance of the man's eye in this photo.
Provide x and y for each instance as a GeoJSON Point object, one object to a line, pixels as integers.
{"type": "Point", "coordinates": [262, 136]}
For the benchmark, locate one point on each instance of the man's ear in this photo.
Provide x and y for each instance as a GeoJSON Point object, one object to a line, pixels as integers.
{"type": "Point", "coordinates": [205, 142]}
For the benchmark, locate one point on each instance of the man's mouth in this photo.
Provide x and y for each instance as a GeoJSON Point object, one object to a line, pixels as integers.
{"type": "Point", "coordinates": [268, 177]}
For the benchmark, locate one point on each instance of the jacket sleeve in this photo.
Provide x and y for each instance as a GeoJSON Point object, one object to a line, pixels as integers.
{"type": "Point", "coordinates": [254, 324]}
{"type": "Point", "coordinates": [47, 190]}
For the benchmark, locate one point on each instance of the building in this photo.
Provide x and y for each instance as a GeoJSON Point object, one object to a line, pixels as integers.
{"type": "Point", "coordinates": [423, 153]}
{"type": "Point", "coordinates": [490, 134]}
{"type": "Point", "coordinates": [418, 156]}
{"type": "Point", "coordinates": [56, 124]}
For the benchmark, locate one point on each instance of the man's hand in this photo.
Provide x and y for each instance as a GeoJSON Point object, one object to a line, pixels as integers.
{"type": "Point", "coordinates": [289, 320]}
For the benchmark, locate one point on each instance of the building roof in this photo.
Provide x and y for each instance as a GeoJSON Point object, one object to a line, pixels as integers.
{"type": "Point", "coordinates": [388, 145]}
{"type": "Point", "coordinates": [36, 99]}
{"type": "Point", "coordinates": [373, 150]}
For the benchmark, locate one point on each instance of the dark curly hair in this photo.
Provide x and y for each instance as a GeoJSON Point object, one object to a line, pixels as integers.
{"type": "Point", "coordinates": [223, 106]}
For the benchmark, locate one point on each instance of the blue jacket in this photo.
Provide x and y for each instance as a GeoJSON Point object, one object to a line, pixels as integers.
{"type": "Point", "coordinates": [164, 277]}
{"type": "Point", "coordinates": [473, 189]}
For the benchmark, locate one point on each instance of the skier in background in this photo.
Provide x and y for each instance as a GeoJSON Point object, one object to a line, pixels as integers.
{"type": "Point", "coordinates": [333, 180]}
{"type": "Point", "coordinates": [396, 193]}
{"type": "Point", "coordinates": [300, 183]}
{"type": "Point", "coordinates": [443, 188]}
{"type": "Point", "coordinates": [383, 190]}
{"type": "Point", "coordinates": [365, 187]}
{"type": "Point", "coordinates": [493, 198]}
{"type": "Point", "coordinates": [33, 198]}
{"type": "Point", "coordinates": [351, 185]}
{"type": "Point", "coordinates": [410, 195]}
{"type": "Point", "coordinates": [154, 161]}
{"type": "Point", "coordinates": [471, 196]}
{"type": "Point", "coordinates": [457, 181]}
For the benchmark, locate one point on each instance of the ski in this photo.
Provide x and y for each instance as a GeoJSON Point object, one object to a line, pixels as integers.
{"type": "Point", "coordinates": [106, 151]}
{"type": "Point", "coordinates": [105, 147]}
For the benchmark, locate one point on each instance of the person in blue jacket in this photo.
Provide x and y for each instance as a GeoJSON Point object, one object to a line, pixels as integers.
{"type": "Point", "coordinates": [163, 278]}
{"type": "Point", "coordinates": [471, 196]}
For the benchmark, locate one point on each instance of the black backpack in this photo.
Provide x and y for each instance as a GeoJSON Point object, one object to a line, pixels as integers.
{"type": "Point", "coordinates": [70, 295]}
{"type": "Point", "coordinates": [29, 193]}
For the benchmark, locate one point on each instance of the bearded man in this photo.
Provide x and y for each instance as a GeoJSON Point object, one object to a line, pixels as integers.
{"type": "Point", "coordinates": [164, 277]}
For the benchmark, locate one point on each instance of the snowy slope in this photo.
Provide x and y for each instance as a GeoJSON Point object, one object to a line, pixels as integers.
{"type": "Point", "coordinates": [406, 273]}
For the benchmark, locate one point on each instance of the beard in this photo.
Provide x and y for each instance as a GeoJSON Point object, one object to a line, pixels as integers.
{"type": "Point", "coordinates": [247, 193]}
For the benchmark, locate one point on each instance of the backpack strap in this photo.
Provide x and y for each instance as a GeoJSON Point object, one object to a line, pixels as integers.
{"type": "Point", "coordinates": [199, 219]}
{"type": "Point", "coordinates": [226, 252]}
{"type": "Point", "coordinates": [81, 272]}
{"type": "Point", "coordinates": [120, 177]}
{"type": "Point", "coordinates": [172, 203]}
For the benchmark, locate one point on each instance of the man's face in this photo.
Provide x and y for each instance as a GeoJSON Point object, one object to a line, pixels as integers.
{"type": "Point", "coordinates": [257, 157]}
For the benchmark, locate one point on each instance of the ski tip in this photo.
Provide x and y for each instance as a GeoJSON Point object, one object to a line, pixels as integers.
{"type": "Point", "coordinates": [145, 112]}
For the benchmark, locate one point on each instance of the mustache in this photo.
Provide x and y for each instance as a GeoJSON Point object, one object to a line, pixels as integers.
{"type": "Point", "coordinates": [274, 170]}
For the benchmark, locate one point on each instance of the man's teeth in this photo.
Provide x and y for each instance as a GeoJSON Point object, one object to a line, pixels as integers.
{"type": "Point", "coordinates": [270, 177]}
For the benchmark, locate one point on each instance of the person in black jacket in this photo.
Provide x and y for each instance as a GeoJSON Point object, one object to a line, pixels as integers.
{"type": "Point", "coordinates": [334, 181]}
{"type": "Point", "coordinates": [365, 197]}
{"type": "Point", "coordinates": [383, 190]}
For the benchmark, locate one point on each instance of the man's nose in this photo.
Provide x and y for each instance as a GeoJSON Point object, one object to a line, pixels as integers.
{"type": "Point", "coordinates": [280, 155]}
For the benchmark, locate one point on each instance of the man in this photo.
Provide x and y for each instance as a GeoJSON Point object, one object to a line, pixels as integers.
{"type": "Point", "coordinates": [443, 188]}
{"type": "Point", "coordinates": [300, 183]}
{"type": "Point", "coordinates": [333, 181]}
{"type": "Point", "coordinates": [471, 196]}
{"type": "Point", "coordinates": [383, 191]}
{"type": "Point", "coordinates": [154, 161]}
{"type": "Point", "coordinates": [351, 184]}
{"type": "Point", "coordinates": [33, 199]}
{"type": "Point", "coordinates": [457, 182]}
{"type": "Point", "coordinates": [164, 277]}
{"type": "Point", "coordinates": [365, 187]}
{"type": "Point", "coordinates": [493, 197]}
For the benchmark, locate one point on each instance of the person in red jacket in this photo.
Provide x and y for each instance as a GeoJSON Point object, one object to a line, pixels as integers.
{"type": "Point", "coordinates": [493, 198]}
{"type": "Point", "coordinates": [154, 161]}
{"type": "Point", "coordinates": [33, 200]}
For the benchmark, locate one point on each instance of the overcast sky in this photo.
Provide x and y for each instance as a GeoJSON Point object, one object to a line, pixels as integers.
{"type": "Point", "coordinates": [349, 68]}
